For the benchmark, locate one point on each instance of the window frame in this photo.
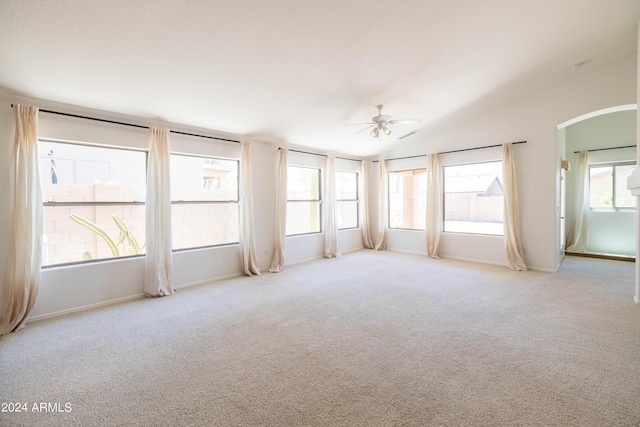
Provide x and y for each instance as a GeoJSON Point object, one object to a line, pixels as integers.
{"type": "Point", "coordinates": [389, 199]}
{"type": "Point", "coordinates": [357, 199]}
{"type": "Point", "coordinates": [444, 198]}
{"type": "Point", "coordinates": [208, 202]}
{"type": "Point", "coordinates": [46, 204]}
{"type": "Point", "coordinates": [613, 207]}
{"type": "Point", "coordinates": [318, 200]}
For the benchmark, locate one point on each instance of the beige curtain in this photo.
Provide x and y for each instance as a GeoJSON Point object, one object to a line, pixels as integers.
{"type": "Point", "coordinates": [365, 168]}
{"type": "Point", "coordinates": [22, 279]}
{"type": "Point", "coordinates": [511, 212]}
{"type": "Point", "coordinates": [247, 239]}
{"type": "Point", "coordinates": [383, 206]}
{"type": "Point", "coordinates": [578, 229]}
{"type": "Point", "coordinates": [158, 280]}
{"type": "Point", "coordinates": [434, 204]}
{"type": "Point", "coordinates": [277, 262]}
{"type": "Point", "coordinates": [331, 243]}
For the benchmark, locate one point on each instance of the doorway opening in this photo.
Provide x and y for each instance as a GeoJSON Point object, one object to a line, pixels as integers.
{"type": "Point", "coordinates": [595, 215]}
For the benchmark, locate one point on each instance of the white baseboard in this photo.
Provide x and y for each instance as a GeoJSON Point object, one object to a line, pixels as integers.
{"type": "Point", "coordinates": [124, 299]}
{"type": "Point", "coordinates": [206, 281]}
{"type": "Point", "coordinates": [545, 270]}
{"type": "Point", "coordinates": [402, 251]}
{"type": "Point", "coordinates": [500, 264]}
{"type": "Point", "coordinates": [353, 250]}
{"type": "Point", "coordinates": [84, 307]}
{"type": "Point", "coordinates": [314, 258]}
{"type": "Point", "coordinates": [477, 261]}
{"type": "Point", "coordinates": [302, 261]}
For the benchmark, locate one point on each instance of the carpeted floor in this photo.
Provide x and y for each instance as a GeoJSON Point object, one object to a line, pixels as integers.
{"type": "Point", "coordinates": [372, 338]}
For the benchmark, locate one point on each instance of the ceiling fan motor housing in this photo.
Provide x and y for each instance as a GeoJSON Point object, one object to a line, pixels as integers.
{"type": "Point", "coordinates": [381, 118]}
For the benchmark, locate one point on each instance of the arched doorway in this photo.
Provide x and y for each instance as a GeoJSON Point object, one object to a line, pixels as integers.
{"type": "Point", "coordinates": [609, 138]}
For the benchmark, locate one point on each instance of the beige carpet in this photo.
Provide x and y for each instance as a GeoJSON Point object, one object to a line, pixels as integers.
{"type": "Point", "coordinates": [372, 338]}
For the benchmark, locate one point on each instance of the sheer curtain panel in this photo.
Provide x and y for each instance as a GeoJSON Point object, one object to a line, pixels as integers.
{"type": "Point", "coordinates": [383, 206]}
{"type": "Point", "coordinates": [247, 222]}
{"type": "Point", "coordinates": [578, 230]}
{"type": "Point", "coordinates": [331, 244]}
{"type": "Point", "coordinates": [277, 262]}
{"type": "Point", "coordinates": [511, 212]}
{"type": "Point", "coordinates": [434, 204]}
{"type": "Point", "coordinates": [22, 279]}
{"type": "Point", "coordinates": [158, 280]}
{"type": "Point", "coordinates": [365, 168]}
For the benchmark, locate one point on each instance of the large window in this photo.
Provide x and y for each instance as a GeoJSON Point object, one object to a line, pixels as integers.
{"type": "Point", "coordinates": [204, 201]}
{"type": "Point", "coordinates": [303, 200]}
{"type": "Point", "coordinates": [608, 186]}
{"type": "Point", "coordinates": [408, 199]}
{"type": "Point", "coordinates": [473, 198]}
{"type": "Point", "coordinates": [347, 199]}
{"type": "Point", "coordinates": [93, 201]}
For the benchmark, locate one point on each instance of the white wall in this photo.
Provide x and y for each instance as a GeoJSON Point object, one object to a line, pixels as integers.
{"type": "Point", "coordinates": [609, 232]}
{"type": "Point", "coordinates": [533, 118]}
{"type": "Point", "coordinates": [561, 189]}
{"type": "Point", "coordinates": [69, 288]}
{"type": "Point", "coordinates": [612, 233]}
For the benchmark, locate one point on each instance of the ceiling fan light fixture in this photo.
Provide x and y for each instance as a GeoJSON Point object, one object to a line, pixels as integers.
{"type": "Point", "coordinates": [379, 124]}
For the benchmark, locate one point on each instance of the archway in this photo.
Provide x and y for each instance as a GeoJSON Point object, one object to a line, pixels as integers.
{"type": "Point", "coordinates": [609, 137]}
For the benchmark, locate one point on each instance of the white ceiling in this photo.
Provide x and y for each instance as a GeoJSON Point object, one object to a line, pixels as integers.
{"type": "Point", "coordinates": [296, 72]}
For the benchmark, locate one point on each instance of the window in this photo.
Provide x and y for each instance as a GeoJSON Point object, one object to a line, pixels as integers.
{"type": "Point", "coordinates": [473, 198]}
{"type": "Point", "coordinates": [408, 199]}
{"type": "Point", "coordinates": [303, 200]}
{"type": "Point", "coordinates": [608, 186]}
{"type": "Point", "coordinates": [204, 201]}
{"type": "Point", "coordinates": [347, 199]}
{"type": "Point", "coordinates": [93, 201]}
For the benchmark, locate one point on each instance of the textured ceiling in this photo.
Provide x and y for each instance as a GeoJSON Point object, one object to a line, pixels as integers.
{"type": "Point", "coordinates": [296, 71]}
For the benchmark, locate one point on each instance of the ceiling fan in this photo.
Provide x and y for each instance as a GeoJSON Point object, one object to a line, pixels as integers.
{"type": "Point", "coordinates": [379, 124]}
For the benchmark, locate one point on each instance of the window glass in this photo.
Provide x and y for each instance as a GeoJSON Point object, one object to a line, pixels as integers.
{"type": "Point", "coordinates": [347, 199]}
{"type": "Point", "coordinates": [346, 185]}
{"type": "Point", "coordinates": [303, 200]}
{"type": "Point", "coordinates": [204, 197]}
{"type": "Point", "coordinates": [203, 179]}
{"type": "Point", "coordinates": [79, 173]}
{"type": "Point", "coordinates": [93, 202]}
{"type": "Point", "coordinates": [473, 198]}
{"type": "Point", "coordinates": [408, 199]}
{"type": "Point", "coordinates": [347, 214]}
{"type": "Point", "coordinates": [197, 225]}
{"type": "Point", "coordinates": [303, 217]}
{"type": "Point", "coordinates": [303, 183]}
{"type": "Point", "coordinates": [84, 233]}
{"type": "Point", "coordinates": [608, 186]}
{"type": "Point", "coordinates": [601, 187]}
{"type": "Point", "coordinates": [623, 198]}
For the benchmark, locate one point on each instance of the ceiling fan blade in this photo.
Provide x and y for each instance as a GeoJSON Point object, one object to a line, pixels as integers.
{"type": "Point", "coordinates": [363, 129]}
{"type": "Point", "coordinates": [405, 121]}
{"type": "Point", "coordinates": [360, 124]}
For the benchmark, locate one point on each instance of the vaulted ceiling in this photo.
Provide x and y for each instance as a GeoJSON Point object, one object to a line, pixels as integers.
{"type": "Point", "coordinates": [297, 71]}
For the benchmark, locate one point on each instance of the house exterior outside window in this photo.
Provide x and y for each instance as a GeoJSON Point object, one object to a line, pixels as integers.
{"type": "Point", "coordinates": [473, 198]}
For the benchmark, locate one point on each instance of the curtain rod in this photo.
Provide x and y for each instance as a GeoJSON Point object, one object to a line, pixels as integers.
{"type": "Point", "coordinates": [321, 155]}
{"type": "Point", "coordinates": [452, 151]}
{"type": "Point", "coordinates": [610, 148]}
{"type": "Point", "coordinates": [130, 124]}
